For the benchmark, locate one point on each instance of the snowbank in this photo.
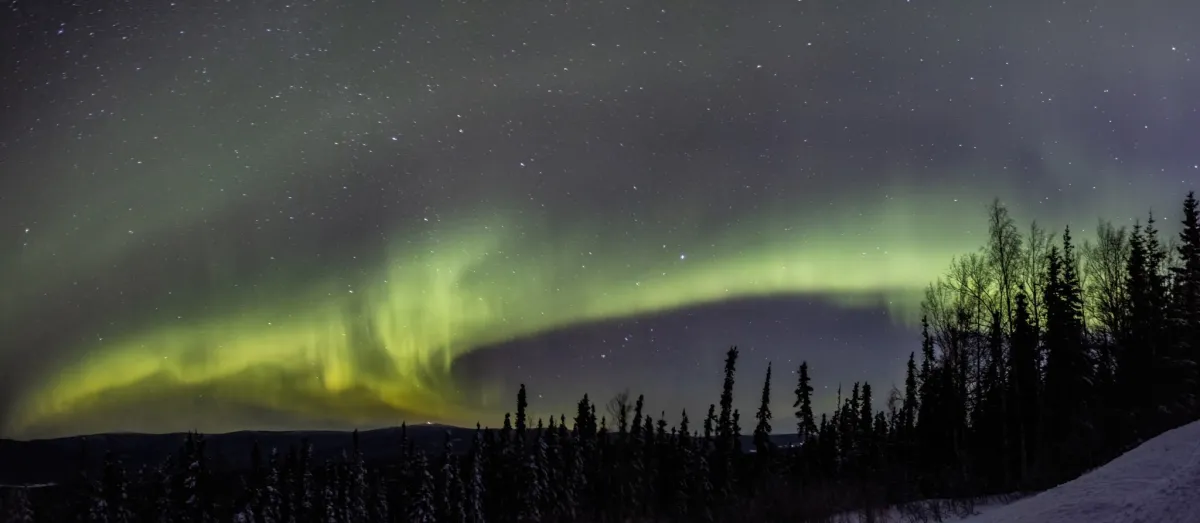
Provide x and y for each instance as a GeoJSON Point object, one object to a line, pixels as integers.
{"type": "Point", "coordinates": [1157, 482]}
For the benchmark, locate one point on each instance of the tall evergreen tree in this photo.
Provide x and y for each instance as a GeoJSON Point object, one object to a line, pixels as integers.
{"type": "Point", "coordinates": [522, 406]}
{"type": "Point", "coordinates": [1186, 310]}
{"type": "Point", "coordinates": [864, 431]}
{"type": "Point", "coordinates": [1023, 388]}
{"type": "Point", "coordinates": [762, 431]}
{"type": "Point", "coordinates": [1169, 400]}
{"type": "Point", "coordinates": [585, 422]}
{"type": "Point", "coordinates": [421, 508]}
{"type": "Point", "coordinates": [1187, 274]}
{"type": "Point", "coordinates": [806, 425]}
{"type": "Point", "coordinates": [990, 427]}
{"type": "Point", "coordinates": [273, 492]}
{"type": "Point", "coordinates": [116, 491]}
{"type": "Point", "coordinates": [709, 422]}
{"type": "Point", "coordinates": [357, 488]}
{"type": "Point", "coordinates": [908, 412]}
{"type": "Point", "coordinates": [305, 484]}
{"type": "Point", "coordinates": [1069, 368]}
{"type": "Point", "coordinates": [725, 421]}
{"type": "Point", "coordinates": [196, 505]}
{"type": "Point", "coordinates": [17, 508]}
{"type": "Point", "coordinates": [475, 489]}
{"type": "Point", "coordinates": [533, 484]}
{"type": "Point", "coordinates": [449, 492]}
{"type": "Point", "coordinates": [636, 429]}
{"type": "Point", "coordinates": [736, 439]}
{"type": "Point", "coordinates": [163, 508]}
{"type": "Point", "coordinates": [380, 505]}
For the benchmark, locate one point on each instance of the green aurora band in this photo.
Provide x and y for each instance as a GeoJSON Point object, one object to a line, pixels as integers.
{"type": "Point", "coordinates": [370, 353]}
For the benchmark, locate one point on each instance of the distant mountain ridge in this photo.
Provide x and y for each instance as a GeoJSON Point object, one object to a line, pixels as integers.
{"type": "Point", "coordinates": [53, 460]}
{"type": "Point", "coordinates": [59, 459]}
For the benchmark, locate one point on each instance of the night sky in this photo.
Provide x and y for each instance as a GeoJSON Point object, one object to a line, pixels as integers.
{"type": "Point", "coordinates": [330, 214]}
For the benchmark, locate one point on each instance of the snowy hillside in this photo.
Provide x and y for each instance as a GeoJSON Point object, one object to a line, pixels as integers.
{"type": "Point", "coordinates": [1157, 482]}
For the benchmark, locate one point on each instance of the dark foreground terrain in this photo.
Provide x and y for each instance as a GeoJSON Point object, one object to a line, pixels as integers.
{"type": "Point", "coordinates": [61, 459]}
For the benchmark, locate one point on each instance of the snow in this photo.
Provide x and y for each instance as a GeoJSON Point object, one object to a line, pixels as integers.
{"type": "Point", "coordinates": [1157, 482]}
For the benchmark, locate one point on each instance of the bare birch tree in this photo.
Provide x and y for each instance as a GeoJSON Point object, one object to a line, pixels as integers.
{"type": "Point", "coordinates": [1034, 263]}
{"type": "Point", "coordinates": [1104, 276]}
{"type": "Point", "coordinates": [1004, 257]}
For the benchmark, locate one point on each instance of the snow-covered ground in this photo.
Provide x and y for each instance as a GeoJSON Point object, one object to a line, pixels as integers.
{"type": "Point", "coordinates": [1157, 482]}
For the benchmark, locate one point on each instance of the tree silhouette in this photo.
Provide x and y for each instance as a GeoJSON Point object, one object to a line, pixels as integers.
{"type": "Point", "coordinates": [762, 430]}
{"type": "Point", "coordinates": [1026, 377]}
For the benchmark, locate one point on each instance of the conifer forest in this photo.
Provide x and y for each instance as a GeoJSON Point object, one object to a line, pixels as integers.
{"type": "Point", "coordinates": [1041, 355]}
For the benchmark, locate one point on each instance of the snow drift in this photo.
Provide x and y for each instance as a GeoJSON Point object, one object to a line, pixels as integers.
{"type": "Point", "coordinates": [1157, 482]}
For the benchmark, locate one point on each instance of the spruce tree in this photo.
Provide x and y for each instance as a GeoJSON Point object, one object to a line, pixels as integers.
{"type": "Point", "coordinates": [506, 430]}
{"type": "Point", "coordinates": [709, 422]}
{"type": "Point", "coordinates": [737, 432]}
{"type": "Point", "coordinates": [448, 498]}
{"type": "Point", "coordinates": [475, 489]}
{"type": "Point", "coordinates": [357, 487]}
{"type": "Point", "coordinates": [532, 484]}
{"type": "Point", "coordinates": [762, 431]}
{"type": "Point", "coordinates": [1069, 367]}
{"type": "Point", "coordinates": [725, 421]}
{"type": "Point", "coordinates": [686, 472]}
{"type": "Point", "coordinates": [585, 424]}
{"type": "Point", "coordinates": [257, 477]}
{"type": "Point", "coordinates": [703, 492]}
{"type": "Point", "coordinates": [989, 424]}
{"type": "Point", "coordinates": [1169, 399]}
{"type": "Point", "coordinates": [271, 502]}
{"type": "Point", "coordinates": [98, 510]}
{"type": "Point", "coordinates": [330, 510]}
{"type": "Point", "coordinates": [163, 506]}
{"type": "Point", "coordinates": [864, 430]}
{"type": "Point", "coordinates": [17, 508]}
{"type": "Point", "coordinates": [1023, 389]}
{"type": "Point", "coordinates": [115, 491]}
{"type": "Point", "coordinates": [635, 431]}
{"type": "Point", "coordinates": [908, 412]}
{"type": "Point", "coordinates": [195, 481]}
{"type": "Point", "coordinates": [575, 479]}
{"type": "Point", "coordinates": [421, 499]}
{"type": "Point", "coordinates": [932, 429]}
{"type": "Point", "coordinates": [522, 406]}
{"type": "Point", "coordinates": [306, 487]}
{"type": "Point", "coordinates": [806, 425]}
{"type": "Point", "coordinates": [848, 432]}
{"type": "Point", "coordinates": [458, 498]}
{"type": "Point", "coordinates": [379, 505]}
{"type": "Point", "coordinates": [1187, 273]}
{"type": "Point", "coordinates": [1186, 310]}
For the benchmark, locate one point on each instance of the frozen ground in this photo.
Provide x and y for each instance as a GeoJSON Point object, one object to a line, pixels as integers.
{"type": "Point", "coordinates": [1157, 482]}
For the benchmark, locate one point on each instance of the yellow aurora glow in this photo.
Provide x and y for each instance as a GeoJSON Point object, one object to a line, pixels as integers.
{"type": "Point", "coordinates": [487, 282]}
{"type": "Point", "coordinates": [384, 351]}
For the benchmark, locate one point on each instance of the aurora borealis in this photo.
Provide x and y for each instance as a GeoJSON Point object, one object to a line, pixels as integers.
{"type": "Point", "coordinates": [229, 215]}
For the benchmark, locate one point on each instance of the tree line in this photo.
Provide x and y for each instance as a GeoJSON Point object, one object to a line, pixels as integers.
{"type": "Point", "coordinates": [1038, 360]}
